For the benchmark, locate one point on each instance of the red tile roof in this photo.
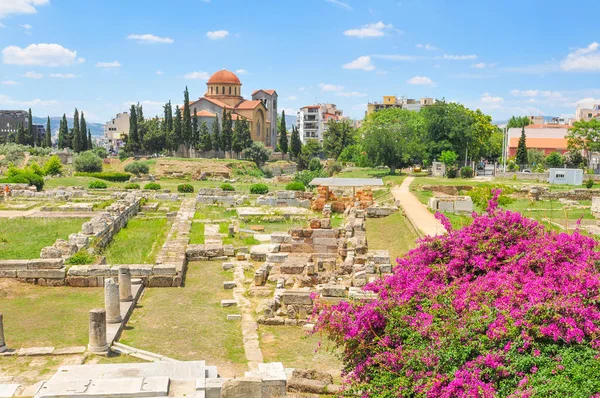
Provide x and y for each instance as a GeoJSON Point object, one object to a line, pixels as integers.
{"type": "Point", "coordinates": [547, 126]}
{"type": "Point", "coordinates": [205, 113]}
{"type": "Point", "coordinates": [246, 104]}
{"type": "Point", "coordinates": [270, 92]}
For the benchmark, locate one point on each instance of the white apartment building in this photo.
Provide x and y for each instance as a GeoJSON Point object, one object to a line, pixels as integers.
{"type": "Point", "coordinates": [115, 130]}
{"type": "Point", "coordinates": [312, 120]}
{"type": "Point", "coordinates": [587, 113]}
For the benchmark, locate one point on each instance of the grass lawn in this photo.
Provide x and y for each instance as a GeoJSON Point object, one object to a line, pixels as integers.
{"type": "Point", "coordinates": [291, 346]}
{"type": "Point", "coordinates": [368, 172]}
{"type": "Point", "coordinates": [394, 233]}
{"type": "Point", "coordinates": [189, 323]}
{"type": "Point", "coordinates": [24, 238]}
{"type": "Point", "coordinates": [137, 243]}
{"type": "Point", "coordinates": [214, 213]}
{"type": "Point", "coordinates": [197, 233]}
{"type": "Point", "coordinates": [36, 316]}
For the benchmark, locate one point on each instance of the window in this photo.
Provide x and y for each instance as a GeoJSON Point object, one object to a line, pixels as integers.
{"type": "Point", "coordinates": [223, 90]}
{"type": "Point", "coordinates": [560, 175]}
{"type": "Point", "coordinates": [229, 90]}
{"type": "Point", "coordinates": [211, 89]}
{"type": "Point", "coordinates": [236, 91]}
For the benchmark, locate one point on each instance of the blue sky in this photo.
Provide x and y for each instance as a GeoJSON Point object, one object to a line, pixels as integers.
{"type": "Point", "coordinates": [505, 57]}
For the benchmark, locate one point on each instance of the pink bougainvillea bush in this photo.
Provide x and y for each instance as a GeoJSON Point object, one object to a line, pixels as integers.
{"type": "Point", "coordinates": [501, 308]}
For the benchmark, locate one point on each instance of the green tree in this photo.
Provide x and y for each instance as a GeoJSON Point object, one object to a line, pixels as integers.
{"type": "Point", "coordinates": [518, 122]}
{"type": "Point", "coordinates": [21, 136]}
{"type": "Point", "coordinates": [448, 158]}
{"type": "Point", "coordinates": [312, 149]}
{"type": "Point", "coordinates": [133, 139]}
{"type": "Point", "coordinates": [77, 144]}
{"type": "Point", "coordinates": [535, 157]}
{"type": "Point", "coordinates": [257, 153]}
{"type": "Point", "coordinates": [83, 133]}
{"type": "Point", "coordinates": [338, 136]}
{"type": "Point", "coordinates": [246, 134]}
{"type": "Point", "coordinates": [237, 142]}
{"type": "Point", "coordinates": [205, 141]}
{"type": "Point", "coordinates": [63, 134]}
{"type": "Point", "coordinates": [295, 143]}
{"type": "Point", "coordinates": [167, 124]}
{"type": "Point", "coordinates": [195, 131]}
{"type": "Point", "coordinates": [283, 140]}
{"type": "Point", "coordinates": [47, 143]}
{"type": "Point", "coordinates": [186, 127]}
{"type": "Point", "coordinates": [226, 132]}
{"type": "Point", "coordinates": [90, 144]}
{"type": "Point", "coordinates": [585, 136]}
{"type": "Point", "coordinates": [31, 132]}
{"type": "Point", "coordinates": [555, 160]}
{"type": "Point", "coordinates": [177, 134]}
{"type": "Point", "coordinates": [155, 137]}
{"type": "Point", "coordinates": [394, 138]}
{"type": "Point", "coordinates": [139, 112]}
{"type": "Point", "coordinates": [216, 136]}
{"type": "Point", "coordinates": [522, 149]}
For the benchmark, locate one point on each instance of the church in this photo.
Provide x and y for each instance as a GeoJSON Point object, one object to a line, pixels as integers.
{"type": "Point", "coordinates": [224, 91]}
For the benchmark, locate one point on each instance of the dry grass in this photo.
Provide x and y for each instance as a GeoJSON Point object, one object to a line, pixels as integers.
{"type": "Point", "coordinates": [394, 233]}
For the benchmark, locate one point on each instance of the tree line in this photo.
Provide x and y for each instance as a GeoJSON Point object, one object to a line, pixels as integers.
{"type": "Point", "coordinates": [31, 136]}
{"type": "Point", "coordinates": [77, 138]}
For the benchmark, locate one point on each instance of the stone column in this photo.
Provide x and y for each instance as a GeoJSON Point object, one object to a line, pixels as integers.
{"type": "Point", "coordinates": [3, 347]}
{"type": "Point", "coordinates": [97, 340]}
{"type": "Point", "coordinates": [111, 301]}
{"type": "Point", "coordinates": [125, 284]}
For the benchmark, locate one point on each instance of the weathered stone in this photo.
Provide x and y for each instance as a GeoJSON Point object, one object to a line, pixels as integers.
{"type": "Point", "coordinates": [227, 285]}
{"type": "Point", "coordinates": [35, 351]}
{"type": "Point", "coordinates": [45, 263]}
{"type": "Point", "coordinates": [42, 273]}
{"type": "Point", "coordinates": [97, 333]}
{"type": "Point", "coordinates": [242, 387]}
{"type": "Point", "coordinates": [280, 237]}
{"type": "Point", "coordinates": [292, 268]}
{"type": "Point", "coordinates": [228, 303]}
{"type": "Point", "coordinates": [160, 281]}
{"type": "Point", "coordinates": [125, 284]}
{"type": "Point", "coordinates": [227, 266]}
{"type": "Point", "coordinates": [234, 317]}
{"type": "Point", "coordinates": [291, 297]}
{"type": "Point", "coordinates": [334, 291]}
{"type": "Point", "coordinates": [13, 264]}
{"type": "Point", "coordinates": [3, 347]}
{"type": "Point", "coordinates": [111, 301]}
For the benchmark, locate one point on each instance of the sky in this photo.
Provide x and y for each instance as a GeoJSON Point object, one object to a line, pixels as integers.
{"type": "Point", "coordinates": [526, 57]}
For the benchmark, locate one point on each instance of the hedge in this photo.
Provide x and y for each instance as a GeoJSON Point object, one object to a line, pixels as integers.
{"type": "Point", "coordinates": [153, 186]}
{"type": "Point", "coordinates": [132, 185]}
{"type": "Point", "coordinates": [185, 188]}
{"type": "Point", "coordinates": [227, 187]}
{"type": "Point", "coordinates": [108, 176]}
{"type": "Point", "coordinates": [295, 186]}
{"type": "Point", "coordinates": [97, 185]}
{"type": "Point", "coordinates": [259, 189]}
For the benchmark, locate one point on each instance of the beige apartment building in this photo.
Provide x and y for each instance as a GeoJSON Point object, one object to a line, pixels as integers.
{"type": "Point", "coordinates": [587, 113]}
{"type": "Point", "coordinates": [115, 130]}
{"type": "Point", "coordinates": [391, 101]}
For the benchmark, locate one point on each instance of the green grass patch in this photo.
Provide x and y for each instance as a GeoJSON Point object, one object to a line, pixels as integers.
{"type": "Point", "coordinates": [24, 238]}
{"type": "Point", "coordinates": [197, 233]}
{"type": "Point", "coordinates": [214, 213]}
{"type": "Point", "coordinates": [192, 315]}
{"type": "Point", "coordinates": [137, 243]}
{"type": "Point", "coordinates": [394, 233]}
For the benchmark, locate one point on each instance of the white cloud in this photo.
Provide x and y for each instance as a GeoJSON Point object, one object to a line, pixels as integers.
{"type": "Point", "coordinates": [4, 99]}
{"type": "Point", "coordinates": [241, 71]}
{"type": "Point", "coordinates": [421, 81]}
{"type": "Point", "coordinates": [108, 65]}
{"type": "Point", "coordinates": [160, 72]}
{"type": "Point", "coordinates": [42, 54]}
{"type": "Point", "coordinates": [150, 107]}
{"type": "Point", "coordinates": [427, 46]}
{"type": "Point", "coordinates": [486, 98]}
{"type": "Point", "coordinates": [537, 93]}
{"type": "Point", "coordinates": [292, 98]}
{"type": "Point", "coordinates": [371, 30]}
{"type": "Point", "coordinates": [27, 28]}
{"type": "Point", "coordinates": [197, 75]}
{"type": "Point", "coordinates": [363, 63]}
{"type": "Point", "coordinates": [525, 93]}
{"type": "Point", "coordinates": [583, 59]}
{"type": "Point", "coordinates": [351, 94]}
{"type": "Point", "coordinates": [217, 34]}
{"type": "Point", "coordinates": [587, 102]}
{"type": "Point", "coordinates": [33, 75]}
{"type": "Point", "coordinates": [330, 87]}
{"type": "Point", "coordinates": [483, 65]}
{"type": "Point", "coordinates": [9, 82]}
{"type": "Point", "coordinates": [150, 39]}
{"type": "Point", "coordinates": [459, 57]}
{"type": "Point", "coordinates": [301, 88]}
{"type": "Point", "coordinates": [340, 4]}
{"type": "Point", "coordinates": [9, 7]}
{"type": "Point", "coordinates": [63, 75]}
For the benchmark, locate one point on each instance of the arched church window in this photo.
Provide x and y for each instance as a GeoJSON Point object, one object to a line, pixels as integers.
{"type": "Point", "coordinates": [211, 89]}
{"type": "Point", "coordinates": [223, 90]}
{"type": "Point", "coordinates": [229, 90]}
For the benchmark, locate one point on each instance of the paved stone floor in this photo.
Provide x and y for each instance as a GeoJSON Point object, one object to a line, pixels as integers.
{"type": "Point", "coordinates": [417, 212]}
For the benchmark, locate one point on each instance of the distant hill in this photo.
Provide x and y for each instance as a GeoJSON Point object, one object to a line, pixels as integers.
{"type": "Point", "coordinates": [97, 129]}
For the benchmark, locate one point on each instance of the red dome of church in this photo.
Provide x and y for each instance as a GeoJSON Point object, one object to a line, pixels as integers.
{"type": "Point", "coordinates": [224, 77]}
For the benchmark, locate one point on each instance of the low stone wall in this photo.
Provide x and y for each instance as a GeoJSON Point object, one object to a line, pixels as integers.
{"type": "Point", "coordinates": [209, 251]}
{"type": "Point", "coordinates": [216, 196]}
{"type": "Point", "coordinates": [454, 204]}
{"type": "Point", "coordinates": [380, 211]}
{"type": "Point", "coordinates": [159, 275]}
{"type": "Point", "coordinates": [62, 194]}
{"type": "Point", "coordinates": [285, 199]}
{"type": "Point", "coordinates": [42, 271]}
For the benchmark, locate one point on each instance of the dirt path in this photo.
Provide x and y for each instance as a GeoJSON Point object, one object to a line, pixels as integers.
{"type": "Point", "coordinates": [417, 212]}
{"type": "Point", "coordinates": [36, 213]}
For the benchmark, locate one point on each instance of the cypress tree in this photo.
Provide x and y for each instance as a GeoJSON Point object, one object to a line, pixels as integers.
{"type": "Point", "coordinates": [139, 112]}
{"type": "Point", "coordinates": [83, 133]}
{"type": "Point", "coordinates": [227, 133]}
{"type": "Point", "coordinates": [63, 133]}
{"type": "Point", "coordinates": [90, 145]}
{"type": "Point", "coordinates": [522, 149]}
{"type": "Point", "coordinates": [246, 134]}
{"type": "Point", "coordinates": [195, 131]}
{"type": "Point", "coordinates": [21, 138]}
{"type": "Point", "coordinates": [186, 127]}
{"type": "Point", "coordinates": [177, 128]}
{"type": "Point", "coordinates": [205, 141]}
{"type": "Point", "coordinates": [47, 143]}
{"type": "Point", "coordinates": [168, 118]}
{"type": "Point", "coordinates": [283, 141]}
{"type": "Point", "coordinates": [237, 141]}
{"type": "Point", "coordinates": [216, 136]}
{"type": "Point", "coordinates": [133, 139]}
{"type": "Point", "coordinates": [77, 143]}
{"type": "Point", "coordinates": [295, 143]}
{"type": "Point", "coordinates": [31, 136]}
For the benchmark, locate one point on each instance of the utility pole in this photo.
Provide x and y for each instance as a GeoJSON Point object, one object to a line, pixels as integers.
{"type": "Point", "coordinates": [505, 150]}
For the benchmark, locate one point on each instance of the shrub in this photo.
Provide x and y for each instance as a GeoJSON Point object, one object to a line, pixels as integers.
{"type": "Point", "coordinates": [500, 308]}
{"type": "Point", "coordinates": [227, 187]}
{"type": "Point", "coordinates": [466, 172]}
{"type": "Point", "coordinates": [35, 168]}
{"type": "Point", "coordinates": [153, 186]}
{"type": "Point", "coordinates": [589, 183]}
{"type": "Point", "coordinates": [306, 176]}
{"type": "Point", "coordinates": [334, 168]}
{"type": "Point", "coordinates": [257, 153]}
{"type": "Point", "coordinates": [185, 188]}
{"type": "Point", "coordinates": [87, 162]}
{"type": "Point", "coordinates": [132, 185]}
{"type": "Point", "coordinates": [123, 154]}
{"type": "Point", "coordinates": [53, 166]}
{"type": "Point", "coordinates": [97, 185]}
{"type": "Point", "coordinates": [295, 186]}
{"type": "Point", "coordinates": [482, 194]}
{"type": "Point", "coordinates": [101, 152]}
{"type": "Point", "coordinates": [451, 171]}
{"type": "Point", "coordinates": [137, 168]}
{"type": "Point", "coordinates": [108, 176]}
{"type": "Point", "coordinates": [315, 164]}
{"type": "Point", "coordinates": [259, 189]}
{"type": "Point", "coordinates": [81, 258]}
{"type": "Point", "coordinates": [19, 176]}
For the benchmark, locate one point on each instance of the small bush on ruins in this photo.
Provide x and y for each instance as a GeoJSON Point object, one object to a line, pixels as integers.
{"type": "Point", "coordinates": [589, 183]}
{"type": "Point", "coordinates": [108, 176]}
{"type": "Point", "coordinates": [227, 187]}
{"type": "Point", "coordinates": [466, 172]}
{"type": "Point", "coordinates": [452, 172]}
{"type": "Point", "coordinates": [35, 168]}
{"type": "Point", "coordinates": [315, 164]}
{"type": "Point", "coordinates": [132, 185]}
{"type": "Point", "coordinates": [334, 168]}
{"type": "Point", "coordinates": [259, 189]}
{"type": "Point", "coordinates": [101, 152]}
{"type": "Point", "coordinates": [185, 188]}
{"type": "Point", "coordinates": [500, 308]}
{"type": "Point", "coordinates": [295, 186]}
{"type": "Point", "coordinates": [153, 186]}
{"type": "Point", "coordinates": [97, 185]}
{"type": "Point", "coordinates": [80, 258]}
{"type": "Point", "coordinates": [257, 153]}
{"type": "Point", "coordinates": [53, 167]}
{"type": "Point", "coordinates": [23, 176]}
{"type": "Point", "coordinates": [137, 168]}
{"type": "Point", "coordinates": [306, 176]}
{"type": "Point", "coordinates": [87, 162]}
